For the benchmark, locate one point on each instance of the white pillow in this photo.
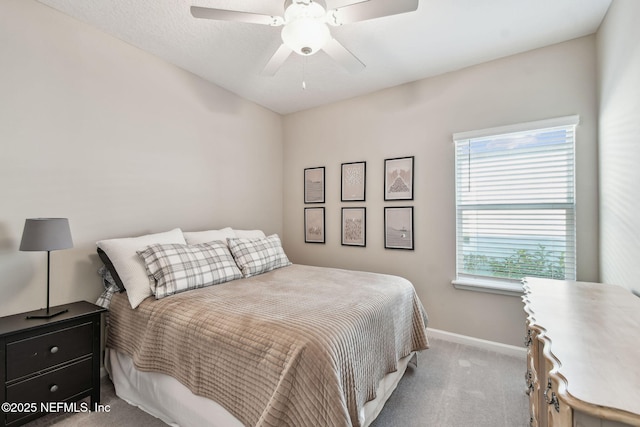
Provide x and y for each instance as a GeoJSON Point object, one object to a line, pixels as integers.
{"type": "Point", "coordinates": [130, 267]}
{"type": "Point", "coordinates": [249, 234]}
{"type": "Point", "coordinates": [257, 256]}
{"type": "Point", "coordinates": [196, 237]}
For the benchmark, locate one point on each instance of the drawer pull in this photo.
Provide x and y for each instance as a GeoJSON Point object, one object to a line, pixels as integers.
{"type": "Point", "coordinates": [554, 399]}
{"type": "Point", "coordinates": [54, 349]}
{"type": "Point", "coordinates": [53, 388]}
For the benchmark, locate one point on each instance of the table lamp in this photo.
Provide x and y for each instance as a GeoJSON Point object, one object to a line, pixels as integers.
{"type": "Point", "coordinates": [46, 234]}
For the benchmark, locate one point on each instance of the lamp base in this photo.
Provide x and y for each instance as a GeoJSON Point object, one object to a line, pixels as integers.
{"type": "Point", "coordinates": [47, 314]}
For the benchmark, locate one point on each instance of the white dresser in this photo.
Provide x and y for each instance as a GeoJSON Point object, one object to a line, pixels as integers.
{"type": "Point", "coordinates": [583, 362]}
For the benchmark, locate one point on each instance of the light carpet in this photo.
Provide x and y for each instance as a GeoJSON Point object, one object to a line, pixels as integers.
{"type": "Point", "coordinates": [453, 385]}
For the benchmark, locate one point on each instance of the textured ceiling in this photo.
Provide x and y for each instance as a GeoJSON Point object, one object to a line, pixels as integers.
{"type": "Point", "coordinates": [441, 36]}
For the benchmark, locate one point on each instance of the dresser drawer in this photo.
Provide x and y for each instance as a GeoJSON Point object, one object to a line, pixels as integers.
{"type": "Point", "coordinates": [57, 385]}
{"type": "Point", "coordinates": [34, 354]}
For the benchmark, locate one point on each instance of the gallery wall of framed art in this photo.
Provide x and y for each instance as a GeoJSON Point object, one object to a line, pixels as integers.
{"type": "Point", "coordinates": [398, 220]}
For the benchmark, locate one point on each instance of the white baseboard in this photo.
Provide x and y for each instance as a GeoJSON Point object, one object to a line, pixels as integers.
{"type": "Point", "coordinates": [509, 350]}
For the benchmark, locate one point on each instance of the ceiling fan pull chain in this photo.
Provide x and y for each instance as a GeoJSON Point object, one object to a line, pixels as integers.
{"type": "Point", "coordinates": [304, 63]}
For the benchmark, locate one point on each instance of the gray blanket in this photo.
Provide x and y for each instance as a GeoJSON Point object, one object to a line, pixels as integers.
{"type": "Point", "coordinates": [298, 346]}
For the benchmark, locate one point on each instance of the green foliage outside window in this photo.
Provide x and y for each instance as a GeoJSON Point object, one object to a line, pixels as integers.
{"type": "Point", "coordinates": [538, 263]}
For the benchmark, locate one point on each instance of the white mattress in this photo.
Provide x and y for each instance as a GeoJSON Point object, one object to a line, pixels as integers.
{"type": "Point", "coordinates": [167, 399]}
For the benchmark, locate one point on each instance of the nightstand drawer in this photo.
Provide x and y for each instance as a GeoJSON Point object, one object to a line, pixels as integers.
{"type": "Point", "coordinates": [57, 385]}
{"type": "Point", "coordinates": [34, 354]}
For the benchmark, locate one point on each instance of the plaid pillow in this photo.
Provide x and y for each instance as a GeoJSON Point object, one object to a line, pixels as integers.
{"type": "Point", "coordinates": [110, 287]}
{"type": "Point", "coordinates": [177, 268]}
{"type": "Point", "coordinates": [256, 256]}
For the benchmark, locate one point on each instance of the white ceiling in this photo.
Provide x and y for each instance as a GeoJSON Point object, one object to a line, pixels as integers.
{"type": "Point", "coordinates": [441, 36]}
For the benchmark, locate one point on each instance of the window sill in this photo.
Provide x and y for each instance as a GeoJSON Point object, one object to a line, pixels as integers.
{"type": "Point", "coordinates": [489, 286]}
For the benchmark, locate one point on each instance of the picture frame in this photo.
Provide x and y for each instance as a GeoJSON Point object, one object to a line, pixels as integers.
{"type": "Point", "coordinates": [353, 182]}
{"type": "Point", "coordinates": [314, 225]}
{"type": "Point", "coordinates": [398, 178]}
{"type": "Point", "coordinates": [314, 185]}
{"type": "Point", "coordinates": [354, 226]}
{"type": "Point", "coordinates": [398, 228]}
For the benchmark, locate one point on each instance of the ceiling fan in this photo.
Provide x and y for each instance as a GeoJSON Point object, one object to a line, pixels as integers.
{"type": "Point", "coordinates": [305, 26]}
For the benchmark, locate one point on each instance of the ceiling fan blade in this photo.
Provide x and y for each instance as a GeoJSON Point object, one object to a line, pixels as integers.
{"type": "Point", "coordinates": [343, 56]}
{"type": "Point", "coordinates": [235, 15]}
{"type": "Point", "coordinates": [276, 60]}
{"type": "Point", "coordinates": [369, 9]}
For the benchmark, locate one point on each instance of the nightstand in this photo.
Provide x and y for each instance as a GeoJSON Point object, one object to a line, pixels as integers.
{"type": "Point", "coordinates": [49, 360]}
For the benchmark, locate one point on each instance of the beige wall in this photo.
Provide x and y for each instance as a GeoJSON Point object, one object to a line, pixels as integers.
{"type": "Point", "coordinates": [122, 144]}
{"type": "Point", "coordinates": [619, 135]}
{"type": "Point", "coordinates": [418, 119]}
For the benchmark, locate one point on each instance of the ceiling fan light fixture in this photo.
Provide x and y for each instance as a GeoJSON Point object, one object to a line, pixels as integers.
{"type": "Point", "coordinates": [305, 36]}
{"type": "Point", "coordinates": [305, 31]}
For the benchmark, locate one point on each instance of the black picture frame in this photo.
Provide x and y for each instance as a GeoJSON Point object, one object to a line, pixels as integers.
{"type": "Point", "coordinates": [398, 178]}
{"type": "Point", "coordinates": [353, 181]}
{"type": "Point", "coordinates": [314, 185]}
{"type": "Point", "coordinates": [354, 226]}
{"type": "Point", "coordinates": [398, 228]}
{"type": "Point", "coordinates": [314, 225]}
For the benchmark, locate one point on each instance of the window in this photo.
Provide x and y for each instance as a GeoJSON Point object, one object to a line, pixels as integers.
{"type": "Point", "coordinates": [515, 205]}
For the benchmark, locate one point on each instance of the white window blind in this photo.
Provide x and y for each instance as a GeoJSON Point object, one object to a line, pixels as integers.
{"type": "Point", "coordinates": [515, 201]}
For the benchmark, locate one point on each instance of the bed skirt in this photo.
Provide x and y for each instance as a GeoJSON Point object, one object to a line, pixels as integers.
{"type": "Point", "coordinates": [166, 398]}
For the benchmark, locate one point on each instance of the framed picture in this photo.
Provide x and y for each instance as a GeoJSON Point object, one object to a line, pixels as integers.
{"type": "Point", "coordinates": [314, 225]}
{"type": "Point", "coordinates": [398, 228]}
{"type": "Point", "coordinates": [354, 226]}
{"type": "Point", "coordinates": [353, 181]}
{"type": "Point", "coordinates": [398, 178]}
{"type": "Point", "coordinates": [314, 185]}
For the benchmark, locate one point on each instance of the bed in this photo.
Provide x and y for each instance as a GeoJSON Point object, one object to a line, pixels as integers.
{"type": "Point", "coordinates": [293, 345]}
